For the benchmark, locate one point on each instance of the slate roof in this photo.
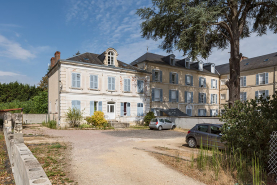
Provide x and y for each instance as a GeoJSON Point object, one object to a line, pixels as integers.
{"type": "Point", "coordinates": [173, 112]}
{"type": "Point", "coordinates": [251, 63]}
{"type": "Point", "coordinates": [160, 59]}
{"type": "Point", "coordinates": [93, 58]}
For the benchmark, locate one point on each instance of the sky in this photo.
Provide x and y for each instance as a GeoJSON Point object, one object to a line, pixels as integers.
{"type": "Point", "coordinates": [32, 31]}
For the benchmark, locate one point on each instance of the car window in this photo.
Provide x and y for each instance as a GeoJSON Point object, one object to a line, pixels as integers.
{"type": "Point", "coordinates": [153, 120]}
{"type": "Point", "coordinates": [161, 120]}
{"type": "Point", "coordinates": [166, 120]}
{"type": "Point", "coordinates": [203, 128]}
{"type": "Point", "coordinates": [215, 130]}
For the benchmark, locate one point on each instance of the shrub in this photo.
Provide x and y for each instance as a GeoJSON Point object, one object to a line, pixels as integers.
{"type": "Point", "coordinates": [97, 119]}
{"type": "Point", "coordinates": [148, 117]}
{"type": "Point", "coordinates": [248, 127]}
{"type": "Point", "coordinates": [74, 116]}
{"type": "Point", "coordinates": [50, 124]}
{"type": "Point", "coordinates": [85, 126]}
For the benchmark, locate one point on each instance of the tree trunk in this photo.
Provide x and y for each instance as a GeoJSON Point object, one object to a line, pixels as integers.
{"type": "Point", "coordinates": [234, 81]}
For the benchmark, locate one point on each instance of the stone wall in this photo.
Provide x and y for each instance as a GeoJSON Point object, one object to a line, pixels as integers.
{"type": "Point", "coordinates": [26, 168]}
{"type": "Point", "coordinates": [35, 118]}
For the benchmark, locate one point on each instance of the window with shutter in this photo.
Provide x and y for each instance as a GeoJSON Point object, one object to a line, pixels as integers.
{"type": "Point", "coordinates": [93, 81]}
{"type": "Point", "coordinates": [140, 85]}
{"type": "Point", "coordinates": [111, 83]}
{"type": "Point", "coordinates": [76, 80]}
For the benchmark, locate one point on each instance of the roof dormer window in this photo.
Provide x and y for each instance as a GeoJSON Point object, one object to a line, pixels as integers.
{"type": "Point", "coordinates": [110, 58]}
{"type": "Point", "coordinates": [200, 66]}
{"type": "Point", "coordinates": [172, 61]}
{"type": "Point", "coordinates": [212, 68]}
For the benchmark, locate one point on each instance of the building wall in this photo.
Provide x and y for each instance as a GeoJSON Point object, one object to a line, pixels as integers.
{"type": "Point", "coordinates": [84, 94]}
{"type": "Point", "coordinates": [181, 87]}
{"type": "Point", "coordinates": [53, 93]}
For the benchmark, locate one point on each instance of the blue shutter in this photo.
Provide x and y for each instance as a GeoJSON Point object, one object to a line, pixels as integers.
{"type": "Point", "coordinates": [113, 83]}
{"type": "Point", "coordinates": [78, 105]}
{"type": "Point", "coordinates": [109, 83]}
{"type": "Point", "coordinates": [177, 78]}
{"type": "Point", "coordinates": [199, 97]}
{"type": "Point", "coordinates": [128, 109]}
{"type": "Point", "coordinates": [169, 95]}
{"type": "Point", "coordinates": [177, 96]}
{"type": "Point", "coordinates": [191, 79]}
{"type": "Point", "coordinates": [138, 86]}
{"type": "Point", "coordinates": [191, 101]}
{"type": "Point", "coordinates": [161, 76]}
{"type": "Point", "coordinates": [141, 109]}
{"type": "Point", "coordinates": [141, 86]}
{"type": "Point", "coordinates": [257, 79]}
{"type": "Point", "coordinates": [96, 82]}
{"type": "Point", "coordinates": [204, 82]}
{"type": "Point", "coordinates": [100, 106]}
{"type": "Point", "coordinates": [244, 81]}
{"type": "Point", "coordinates": [186, 93]}
{"type": "Point", "coordinates": [170, 77]}
{"type": "Point", "coordinates": [257, 94]}
{"type": "Point", "coordinates": [161, 95]}
{"type": "Point", "coordinates": [91, 108]}
{"type": "Point", "coordinates": [78, 78]}
{"type": "Point", "coordinates": [211, 98]}
{"type": "Point", "coordinates": [153, 75]}
{"type": "Point", "coordinates": [244, 96]}
{"type": "Point", "coordinates": [216, 84]}
{"type": "Point", "coordinates": [198, 112]}
{"type": "Point", "coordinates": [205, 98]}
{"type": "Point", "coordinates": [153, 93]}
{"type": "Point", "coordinates": [205, 112]}
{"type": "Point", "coordinates": [73, 79]}
{"type": "Point", "coordinates": [200, 82]}
{"type": "Point", "coordinates": [216, 98]}
{"type": "Point", "coordinates": [212, 83]}
{"type": "Point", "coordinates": [122, 109]}
{"type": "Point", "coordinates": [186, 79]}
{"type": "Point", "coordinates": [129, 85]}
{"type": "Point", "coordinates": [266, 93]}
{"type": "Point", "coordinates": [73, 104]}
{"type": "Point", "coordinates": [266, 78]}
{"type": "Point", "coordinates": [125, 85]}
{"type": "Point", "coordinates": [138, 109]}
{"type": "Point", "coordinates": [211, 112]}
{"type": "Point", "coordinates": [91, 81]}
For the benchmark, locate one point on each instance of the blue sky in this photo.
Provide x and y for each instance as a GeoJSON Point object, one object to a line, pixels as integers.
{"type": "Point", "coordinates": [31, 32]}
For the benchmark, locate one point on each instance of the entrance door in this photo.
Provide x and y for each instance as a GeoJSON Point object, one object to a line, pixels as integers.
{"type": "Point", "coordinates": [110, 111]}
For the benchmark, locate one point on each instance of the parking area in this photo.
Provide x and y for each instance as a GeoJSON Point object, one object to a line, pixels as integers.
{"type": "Point", "coordinates": [119, 156]}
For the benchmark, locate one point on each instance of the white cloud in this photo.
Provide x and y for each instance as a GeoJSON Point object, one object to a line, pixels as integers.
{"type": "Point", "coordinates": [14, 50]}
{"type": "Point", "coordinates": [7, 73]}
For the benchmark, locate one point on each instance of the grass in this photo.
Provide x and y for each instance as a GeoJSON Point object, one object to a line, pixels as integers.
{"type": "Point", "coordinates": [50, 124]}
{"type": "Point", "coordinates": [6, 176]}
{"type": "Point", "coordinates": [53, 157]}
{"type": "Point", "coordinates": [139, 127]}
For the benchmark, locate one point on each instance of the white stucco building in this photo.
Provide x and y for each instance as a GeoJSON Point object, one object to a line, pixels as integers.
{"type": "Point", "coordinates": [93, 82]}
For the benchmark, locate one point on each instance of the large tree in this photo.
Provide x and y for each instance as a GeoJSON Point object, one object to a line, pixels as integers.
{"type": "Point", "coordinates": [197, 26]}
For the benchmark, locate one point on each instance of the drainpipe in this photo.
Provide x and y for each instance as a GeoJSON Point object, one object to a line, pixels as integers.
{"type": "Point", "coordinates": [274, 80]}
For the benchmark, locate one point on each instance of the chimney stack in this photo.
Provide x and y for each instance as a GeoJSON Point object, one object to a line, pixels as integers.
{"type": "Point", "coordinates": [52, 61]}
{"type": "Point", "coordinates": [57, 56]}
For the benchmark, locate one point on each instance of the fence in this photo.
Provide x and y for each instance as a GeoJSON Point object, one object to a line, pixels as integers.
{"type": "Point", "coordinates": [272, 163]}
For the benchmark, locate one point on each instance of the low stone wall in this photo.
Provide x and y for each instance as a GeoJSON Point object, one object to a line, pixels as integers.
{"type": "Point", "coordinates": [34, 118]}
{"type": "Point", "coordinates": [189, 122]}
{"type": "Point", "coordinates": [26, 168]}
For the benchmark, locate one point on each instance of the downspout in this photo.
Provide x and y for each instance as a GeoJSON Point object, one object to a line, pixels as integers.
{"type": "Point", "coordinates": [274, 80]}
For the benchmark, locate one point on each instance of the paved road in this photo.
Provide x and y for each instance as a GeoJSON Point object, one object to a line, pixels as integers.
{"type": "Point", "coordinates": [108, 157]}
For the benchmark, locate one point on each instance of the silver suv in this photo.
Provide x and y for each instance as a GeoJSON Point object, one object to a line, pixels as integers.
{"type": "Point", "coordinates": [161, 123]}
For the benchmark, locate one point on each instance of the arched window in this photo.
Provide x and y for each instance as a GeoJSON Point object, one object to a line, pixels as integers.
{"type": "Point", "coordinates": [110, 58]}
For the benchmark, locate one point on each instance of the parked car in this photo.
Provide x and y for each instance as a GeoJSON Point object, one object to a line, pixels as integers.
{"type": "Point", "coordinates": [161, 123]}
{"type": "Point", "coordinates": [210, 134]}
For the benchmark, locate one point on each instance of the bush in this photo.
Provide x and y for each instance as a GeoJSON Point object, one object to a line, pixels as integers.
{"type": "Point", "coordinates": [248, 127]}
{"type": "Point", "coordinates": [85, 126]}
{"type": "Point", "coordinates": [148, 117]}
{"type": "Point", "coordinates": [97, 119]}
{"type": "Point", "coordinates": [74, 116]}
{"type": "Point", "coordinates": [50, 124]}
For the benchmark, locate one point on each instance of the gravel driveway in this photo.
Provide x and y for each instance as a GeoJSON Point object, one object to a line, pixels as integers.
{"type": "Point", "coordinates": [108, 157]}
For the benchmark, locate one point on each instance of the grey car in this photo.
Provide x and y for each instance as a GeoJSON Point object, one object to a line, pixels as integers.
{"type": "Point", "coordinates": [210, 134]}
{"type": "Point", "coordinates": [161, 123]}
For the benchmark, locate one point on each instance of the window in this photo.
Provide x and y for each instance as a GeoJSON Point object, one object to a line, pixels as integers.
{"type": "Point", "coordinates": [76, 104]}
{"type": "Point", "coordinates": [212, 68]}
{"type": "Point", "coordinates": [243, 81]}
{"type": "Point", "coordinates": [243, 96]}
{"type": "Point", "coordinates": [140, 109]}
{"type": "Point", "coordinates": [214, 84]}
{"type": "Point", "coordinates": [203, 128]}
{"type": "Point", "coordinates": [213, 98]}
{"type": "Point", "coordinates": [188, 97]}
{"type": "Point", "coordinates": [223, 96]}
{"type": "Point", "coordinates": [172, 61]}
{"type": "Point", "coordinates": [167, 121]}
{"type": "Point", "coordinates": [93, 81]}
{"type": "Point", "coordinates": [140, 86]}
{"type": "Point", "coordinates": [157, 75]}
{"type": "Point", "coordinates": [157, 94]}
{"type": "Point", "coordinates": [127, 85]}
{"type": "Point", "coordinates": [215, 130]}
{"type": "Point", "coordinates": [111, 83]}
{"type": "Point", "coordinates": [189, 80]}
{"type": "Point", "coordinates": [189, 112]}
{"type": "Point", "coordinates": [161, 120]}
{"type": "Point", "coordinates": [200, 66]}
{"type": "Point", "coordinates": [173, 78]}
{"type": "Point", "coordinates": [173, 95]}
{"type": "Point", "coordinates": [76, 80]}
{"type": "Point", "coordinates": [213, 112]}
{"type": "Point", "coordinates": [262, 94]}
{"type": "Point", "coordinates": [202, 82]}
{"type": "Point", "coordinates": [223, 82]}
{"type": "Point", "coordinates": [262, 78]}
{"type": "Point", "coordinates": [202, 97]}
{"type": "Point", "coordinates": [110, 58]}
{"type": "Point", "coordinates": [95, 106]}
{"type": "Point", "coordinates": [187, 63]}
{"type": "Point", "coordinates": [125, 109]}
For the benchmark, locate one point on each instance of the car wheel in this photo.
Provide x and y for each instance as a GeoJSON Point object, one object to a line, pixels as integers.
{"type": "Point", "coordinates": [160, 128]}
{"type": "Point", "coordinates": [192, 142]}
{"type": "Point", "coordinates": [151, 128]}
{"type": "Point", "coordinates": [173, 127]}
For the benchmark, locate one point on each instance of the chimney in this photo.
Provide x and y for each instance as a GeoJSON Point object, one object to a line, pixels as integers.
{"type": "Point", "coordinates": [243, 58]}
{"type": "Point", "coordinates": [52, 61]}
{"type": "Point", "coordinates": [57, 56]}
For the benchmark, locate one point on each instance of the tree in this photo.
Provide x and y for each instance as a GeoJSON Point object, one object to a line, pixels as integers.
{"type": "Point", "coordinates": [197, 26]}
{"type": "Point", "coordinates": [43, 84]}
